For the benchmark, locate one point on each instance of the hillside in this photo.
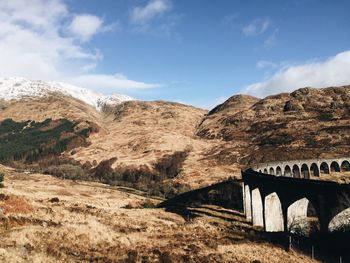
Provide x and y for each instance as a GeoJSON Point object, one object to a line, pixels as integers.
{"type": "Point", "coordinates": [16, 88]}
{"type": "Point", "coordinates": [144, 133]}
{"type": "Point", "coordinates": [307, 123]}
{"type": "Point", "coordinates": [45, 219]}
{"type": "Point", "coordinates": [54, 105]}
{"type": "Point", "coordinates": [161, 145]}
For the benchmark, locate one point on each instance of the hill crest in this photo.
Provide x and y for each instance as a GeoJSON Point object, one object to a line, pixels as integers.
{"type": "Point", "coordinates": [16, 88]}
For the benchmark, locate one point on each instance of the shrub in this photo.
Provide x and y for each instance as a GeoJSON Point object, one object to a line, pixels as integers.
{"type": "Point", "coordinates": [170, 165]}
{"type": "Point", "coordinates": [30, 141]}
{"type": "Point", "coordinates": [142, 177]}
{"type": "Point", "coordinates": [311, 142]}
{"type": "Point", "coordinates": [104, 171]}
{"type": "Point", "coordinates": [66, 171]}
{"type": "Point", "coordinates": [278, 139]}
{"type": "Point", "coordinates": [165, 257]}
{"type": "Point", "coordinates": [148, 204]}
{"type": "Point", "coordinates": [132, 256]}
{"type": "Point", "coordinates": [2, 175]}
{"type": "Point", "coordinates": [325, 117]}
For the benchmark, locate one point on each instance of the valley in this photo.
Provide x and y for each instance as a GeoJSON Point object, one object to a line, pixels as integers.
{"type": "Point", "coordinates": [82, 181]}
{"type": "Point", "coordinates": [45, 219]}
{"type": "Point", "coordinates": [179, 146]}
{"type": "Point", "coordinates": [164, 131]}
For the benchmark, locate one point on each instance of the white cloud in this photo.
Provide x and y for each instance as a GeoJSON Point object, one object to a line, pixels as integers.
{"type": "Point", "coordinates": [38, 14]}
{"type": "Point", "coordinates": [334, 71]}
{"type": "Point", "coordinates": [272, 38]}
{"type": "Point", "coordinates": [155, 18]}
{"type": "Point", "coordinates": [110, 81]}
{"type": "Point", "coordinates": [265, 64]}
{"type": "Point", "coordinates": [34, 42]}
{"type": "Point", "coordinates": [85, 26]}
{"type": "Point", "coordinates": [256, 27]}
{"type": "Point", "coordinates": [154, 8]}
{"type": "Point", "coordinates": [231, 21]}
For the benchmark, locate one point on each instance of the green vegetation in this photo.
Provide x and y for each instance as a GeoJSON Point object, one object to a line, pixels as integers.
{"type": "Point", "coordinates": [154, 181]}
{"type": "Point", "coordinates": [311, 142]}
{"type": "Point", "coordinates": [278, 139]}
{"type": "Point", "coordinates": [30, 140]}
{"type": "Point", "coordinates": [66, 171]}
{"type": "Point", "coordinates": [325, 117]}
{"type": "Point", "coordinates": [149, 204]}
{"type": "Point", "coordinates": [171, 164]}
{"type": "Point", "coordinates": [2, 175]}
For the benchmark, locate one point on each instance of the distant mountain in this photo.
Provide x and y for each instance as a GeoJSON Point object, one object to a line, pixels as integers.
{"type": "Point", "coordinates": [15, 88]}
{"type": "Point", "coordinates": [307, 123]}
{"type": "Point", "coordinates": [147, 144]}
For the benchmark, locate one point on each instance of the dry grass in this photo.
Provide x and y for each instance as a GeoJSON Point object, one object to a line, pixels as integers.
{"type": "Point", "coordinates": [164, 128]}
{"type": "Point", "coordinates": [15, 204]}
{"type": "Point", "coordinates": [339, 177]}
{"type": "Point", "coordinates": [96, 228]}
{"type": "Point", "coordinates": [140, 134]}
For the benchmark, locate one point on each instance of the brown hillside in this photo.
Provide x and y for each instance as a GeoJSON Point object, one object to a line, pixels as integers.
{"type": "Point", "coordinates": [55, 106]}
{"type": "Point", "coordinates": [306, 123]}
{"type": "Point", "coordinates": [243, 130]}
{"type": "Point", "coordinates": [45, 219]}
{"type": "Point", "coordinates": [142, 133]}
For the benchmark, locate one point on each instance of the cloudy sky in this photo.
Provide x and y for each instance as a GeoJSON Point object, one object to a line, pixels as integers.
{"type": "Point", "coordinates": [198, 52]}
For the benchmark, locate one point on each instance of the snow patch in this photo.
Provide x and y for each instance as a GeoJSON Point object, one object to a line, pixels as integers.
{"type": "Point", "coordinates": [16, 88]}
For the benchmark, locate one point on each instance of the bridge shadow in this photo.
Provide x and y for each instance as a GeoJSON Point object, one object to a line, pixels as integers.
{"type": "Point", "coordinates": [323, 247]}
{"type": "Point", "coordinates": [222, 204]}
{"type": "Point", "coordinates": [224, 210]}
{"type": "Point", "coordinates": [237, 229]}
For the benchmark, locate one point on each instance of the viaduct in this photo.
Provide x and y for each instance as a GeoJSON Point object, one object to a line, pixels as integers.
{"type": "Point", "coordinates": [304, 168]}
{"type": "Point", "coordinates": [276, 202]}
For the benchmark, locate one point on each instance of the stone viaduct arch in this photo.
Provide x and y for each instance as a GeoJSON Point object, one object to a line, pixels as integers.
{"type": "Point", "coordinates": [278, 171]}
{"type": "Point", "coordinates": [247, 203]}
{"type": "Point", "coordinates": [275, 202]}
{"type": "Point", "coordinates": [345, 166]}
{"type": "Point", "coordinates": [305, 168]}
{"type": "Point", "coordinates": [257, 208]}
{"type": "Point", "coordinates": [335, 167]}
{"type": "Point", "coordinates": [297, 217]}
{"type": "Point", "coordinates": [305, 171]}
{"type": "Point", "coordinates": [324, 168]}
{"type": "Point", "coordinates": [273, 213]}
{"type": "Point", "coordinates": [287, 171]}
{"type": "Point", "coordinates": [340, 222]}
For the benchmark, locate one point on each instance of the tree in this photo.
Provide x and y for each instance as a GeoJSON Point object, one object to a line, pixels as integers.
{"type": "Point", "coordinates": [2, 175]}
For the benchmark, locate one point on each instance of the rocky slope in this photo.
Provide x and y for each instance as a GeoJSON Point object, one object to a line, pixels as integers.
{"type": "Point", "coordinates": [53, 105]}
{"type": "Point", "coordinates": [306, 123]}
{"type": "Point", "coordinates": [143, 133]}
{"type": "Point", "coordinates": [137, 134]}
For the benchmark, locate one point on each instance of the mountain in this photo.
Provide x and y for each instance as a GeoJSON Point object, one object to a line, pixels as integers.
{"type": "Point", "coordinates": [15, 88]}
{"type": "Point", "coordinates": [307, 123]}
{"type": "Point", "coordinates": [149, 135]}
{"type": "Point", "coordinates": [165, 146]}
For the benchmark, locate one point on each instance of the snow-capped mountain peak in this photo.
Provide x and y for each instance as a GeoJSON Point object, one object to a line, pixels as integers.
{"type": "Point", "coordinates": [15, 88]}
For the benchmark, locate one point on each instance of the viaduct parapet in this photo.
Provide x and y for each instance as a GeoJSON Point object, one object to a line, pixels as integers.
{"type": "Point", "coordinates": [304, 168]}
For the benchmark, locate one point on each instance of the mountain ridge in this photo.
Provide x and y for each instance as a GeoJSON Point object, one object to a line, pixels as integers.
{"type": "Point", "coordinates": [16, 88]}
{"type": "Point", "coordinates": [201, 147]}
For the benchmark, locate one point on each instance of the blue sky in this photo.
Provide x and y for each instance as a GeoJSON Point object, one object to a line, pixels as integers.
{"type": "Point", "coordinates": [193, 51]}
